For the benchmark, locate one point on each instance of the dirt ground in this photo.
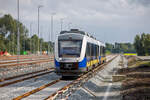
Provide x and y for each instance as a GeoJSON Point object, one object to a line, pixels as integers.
{"type": "Point", "coordinates": [136, 85]}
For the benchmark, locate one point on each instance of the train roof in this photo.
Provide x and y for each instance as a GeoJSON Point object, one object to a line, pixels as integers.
{"type": "Point", "coordinates": [80, 32]}
{"type": "Point", "coordinates": [73, 31]}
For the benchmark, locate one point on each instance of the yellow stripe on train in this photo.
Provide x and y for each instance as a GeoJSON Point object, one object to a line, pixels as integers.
{"type": "Point", "coordinates": [95, 61]}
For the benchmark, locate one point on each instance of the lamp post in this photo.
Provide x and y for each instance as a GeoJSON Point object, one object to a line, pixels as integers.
{"type": "Point", "coordinates": [52, 15]}
{"type": "Point", "coordinates": [61, 24]}
{"type": "Point", "coordinates": [39, 24]}
{"type": "Point", "coordinates": [1, 13]}
{"type": "Point", "coordinates": [69, 26]}
{"type": "Point", "coordinates": [30, 37]}
{"type": "Point", "coordinates": [18, 34]}
{"type": "Point", "coordinates": [41, 35]}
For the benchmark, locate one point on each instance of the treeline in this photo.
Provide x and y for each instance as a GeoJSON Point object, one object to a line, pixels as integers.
{"type": "Point", "coordinates": [8, 37]}
{"type": "Point", "coordinates": [142, 44]}
{"type": "Point", "coordinates": [120, 48]}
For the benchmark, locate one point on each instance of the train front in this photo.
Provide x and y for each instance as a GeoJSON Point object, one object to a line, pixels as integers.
{"type": "Point", "coordinates": [70, 54]}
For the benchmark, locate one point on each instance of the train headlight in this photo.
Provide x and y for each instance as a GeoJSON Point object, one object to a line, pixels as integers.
{"type": "Point", "coordinates": [77, 59]}
{"type": "Point", "coordinates": [60, 58]}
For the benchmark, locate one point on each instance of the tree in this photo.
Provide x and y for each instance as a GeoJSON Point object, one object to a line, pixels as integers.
{"type": "Point", "coordinates": [147, 44]}
{"type": "Point", "coordinates": [142, 44]}
{"type": "Point", "coordinates": [8, 37]}
{"type": "Point", "coordinates": [120, 48]}
{"type": "Point", "coordinates": [34, 44]}
{"type": "Point", "coordinates": [2, 44]}
{"type": "Point", "coordinates": [8, 29]}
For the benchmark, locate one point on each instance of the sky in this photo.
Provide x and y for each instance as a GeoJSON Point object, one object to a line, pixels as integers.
{"type": "Point", "coordinates": [107, 20]}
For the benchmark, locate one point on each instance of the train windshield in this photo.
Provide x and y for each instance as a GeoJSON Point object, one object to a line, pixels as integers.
{"type": "Point", "coordinates": [70, 48]}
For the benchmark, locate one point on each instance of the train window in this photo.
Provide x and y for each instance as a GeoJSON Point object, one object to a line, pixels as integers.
{"type": "Point", "coordinates": [98, 50]}
{"type": "Point", "coordinates": [101, 50]}
{"type": "Point", "coordinates": [69, 48]}
{"type": "Point", "coordinates": [93, 50]}
{"type": "Point", "coordinates": [88, 50]}
{"type": "Point", "coordinates": [104, 51]}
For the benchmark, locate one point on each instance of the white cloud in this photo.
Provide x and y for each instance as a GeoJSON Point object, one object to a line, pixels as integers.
{"type": "Point", "coordinates": [119, 18]}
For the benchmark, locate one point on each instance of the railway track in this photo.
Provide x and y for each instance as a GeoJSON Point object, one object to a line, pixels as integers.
{"type": "Point", "coordinates": [20, 78]}
{"type": "Point", "coordinates": [10, 65]}
{"type": "Point", "coordinates": [3, 58]}
{"type": "Point", "coordinates": [24, 60]}
{"type": "Point", "coordinates": [77, 82]}
{"type": "Point", "coordinates": [65, 88]}
{"type": "Point", "coordinates": [27, 61]}
{"type": "Point", "coordinates": [37, 90]}
{"type": "Point", "coordinates": [10, 78]}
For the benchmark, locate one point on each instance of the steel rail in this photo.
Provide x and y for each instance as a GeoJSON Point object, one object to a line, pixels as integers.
{"type": "Point", "coordinates": [2, 58]}
{"type": "Point", "coordinates": [22, 60]}
{"type": "Point", "coordinates": [26, 78]}
{"type": "Point", "coordinates": [13, 62]}
{"type": "Point", "coordinates": [36, 90]}
{"type": "Point", "coordinates": [18, 76]}
{"type": "Point", "coordinates": [25, 63]}
{"type": "Point", "coordinates": [29, 61]}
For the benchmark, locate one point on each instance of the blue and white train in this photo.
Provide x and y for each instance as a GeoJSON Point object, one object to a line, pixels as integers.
{"type": "Point", "coordinates": [77, 52]}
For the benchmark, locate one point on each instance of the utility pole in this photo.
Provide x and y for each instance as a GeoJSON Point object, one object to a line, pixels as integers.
{"type": "Point", "coordinates": [48, 51]}
{"type": "Point", "coordinates": [18, 35]}
{"type": "Point", "coordinates": [69, 26]}
{"type": "Point", "coordinates": [61, 24]}
{"type": "Point", "coordinates": [52, 27]}
{"type": "Point", "coordinates": [52, 24]}
{"type": "Point", "coordinates": [39, 24]}
{"type": "Point", "coordinates": [30, 37]}
{"type": "Point", "coordinates": [13, 41]}
{"type": "Point", "coordinates": [41, 35]}
{"type": "Point", "coordinates": [1, 13]}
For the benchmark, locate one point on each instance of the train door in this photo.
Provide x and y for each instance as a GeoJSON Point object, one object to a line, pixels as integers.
{"type": "Point", "coordinates": [88, 55]}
